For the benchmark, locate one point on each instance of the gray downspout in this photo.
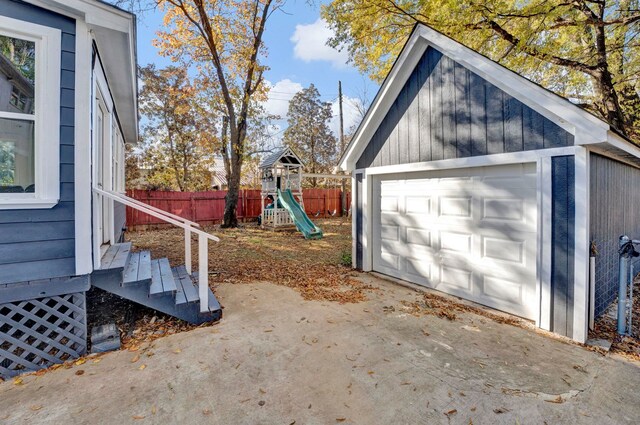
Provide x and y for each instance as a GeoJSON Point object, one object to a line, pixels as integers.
{"type": "Point", "coordinates": [622, 286]}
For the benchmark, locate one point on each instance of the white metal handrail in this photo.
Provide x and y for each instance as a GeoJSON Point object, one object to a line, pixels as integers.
{"type": "Point", "coordinates": [156, 209]}
{"type": "Point", "coordinates": [203, 239]}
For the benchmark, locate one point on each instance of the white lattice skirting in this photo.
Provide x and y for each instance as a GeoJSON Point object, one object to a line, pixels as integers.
{"type": "Point", "coordinates": [38, 333]}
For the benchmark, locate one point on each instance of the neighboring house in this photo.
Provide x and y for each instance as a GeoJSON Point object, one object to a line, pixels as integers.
{"type": "Point", "coordinates": [477, 182]}
{"type": "Point", "coordinates": [68, 104]}
{"type": "Point", "coordinates": [250, 178]}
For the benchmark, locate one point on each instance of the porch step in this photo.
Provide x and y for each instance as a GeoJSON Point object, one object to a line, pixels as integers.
{"type": "Point", "coordinates": [189, 291]}
{"type": "Point", "coordinates": [116, 257]}
{"type": "Point", "coordinates": [153, 283]}
{"type": "Point", "coordinates": [161, 278]}
{"type": "Point", "coordinates": [138, 269]}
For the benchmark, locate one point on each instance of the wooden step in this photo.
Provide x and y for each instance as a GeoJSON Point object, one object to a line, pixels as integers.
{"type": "Point", "coordinates": [180, 297]}
{"type": "Point", "coordinates": [162, 280]}
{"type": "Point", "coordinates": [116, 257]}
{"type": "Point", "coordinates": [190, 291]}
{"type": "Point", "coordinates": [214, 304]}
{"type": "Point", "coordinates": [138, 270]}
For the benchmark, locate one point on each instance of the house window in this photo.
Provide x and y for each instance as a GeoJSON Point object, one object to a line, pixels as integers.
{"type": "Point", "coordinates": [29, 115]}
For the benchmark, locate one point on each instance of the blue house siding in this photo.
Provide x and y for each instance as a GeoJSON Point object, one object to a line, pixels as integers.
{"type": "Point", "coordinates": [563, 244]}
{"type": "Point", "coordinates": [614, 212]}
{"type": "Point", "coordinates": [446, 111]}
{"type": "Point", "coordinates": [40, 244]}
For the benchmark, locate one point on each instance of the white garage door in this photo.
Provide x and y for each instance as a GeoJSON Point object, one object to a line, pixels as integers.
{"type": "Point", "coordinates": [468, 232]}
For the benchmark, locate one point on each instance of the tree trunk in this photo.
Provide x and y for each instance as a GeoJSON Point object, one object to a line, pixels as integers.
{"type": "Point", "coordinates": [231, 199]}
{"type": "Point", "coordinates": [610, 102]}
{"type": "Point", "coordinates": [238, 134]}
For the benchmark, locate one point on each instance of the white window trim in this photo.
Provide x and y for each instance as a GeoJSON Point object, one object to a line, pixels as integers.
{"type": "Point", "coordinates": [47, 115]}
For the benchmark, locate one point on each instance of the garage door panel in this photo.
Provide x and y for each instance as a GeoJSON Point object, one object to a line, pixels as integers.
{"type": "Point", "coordinates": [456, 242]}
{"type": "Point", "coordinates": [420, 268]}
{"type": "Point", "coordinates": [416, 204]}
{"type": "Point", "coordinates": [504, 250]}
{"type": "Point", "coordinates": [470, 233]}
{"type": "Point", "coordinates": [390, 261]}
{"type": "Point", "coordinates": [456, 207]}
{"type": "Point", "coordinates": [389, 204]}
{"type": "Point", "coordinates": [456, 278]}
{"type": "Point", "coordinates": [390, 232]}
{"type": "Point", "coordinates": [419, 237]}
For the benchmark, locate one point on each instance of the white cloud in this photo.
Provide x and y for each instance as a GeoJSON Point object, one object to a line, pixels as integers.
{"type": "Point", "coordinates": [310, 44]}
{"type": "Point", "coordinates": [280, 94]}
{"type": "Point", "coordinates": [350, 112]}
{"type": "Point", "coordinates": [278, 104]}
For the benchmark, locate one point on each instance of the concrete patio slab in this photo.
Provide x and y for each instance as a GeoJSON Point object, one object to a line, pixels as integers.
{"type": "Point", "coordinates": [277, 359]}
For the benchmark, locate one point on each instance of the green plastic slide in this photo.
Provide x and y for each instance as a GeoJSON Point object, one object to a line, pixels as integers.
{"type": "Point", "coordinates": [299, 217]}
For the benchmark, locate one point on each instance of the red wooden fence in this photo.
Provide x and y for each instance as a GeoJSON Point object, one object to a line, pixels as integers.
{"type": "Point", "coordinates": [208, 207]}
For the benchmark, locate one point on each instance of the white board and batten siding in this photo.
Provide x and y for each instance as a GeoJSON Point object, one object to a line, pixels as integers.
{"type": "Point", "coordinates": [467, 232]}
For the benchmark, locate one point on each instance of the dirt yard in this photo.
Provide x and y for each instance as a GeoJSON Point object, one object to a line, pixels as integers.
{"type": "Point", "coordinates": [318, 269]}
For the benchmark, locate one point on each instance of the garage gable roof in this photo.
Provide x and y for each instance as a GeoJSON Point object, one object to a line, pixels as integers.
{"type": "Point", "coordinates": [575, 120]}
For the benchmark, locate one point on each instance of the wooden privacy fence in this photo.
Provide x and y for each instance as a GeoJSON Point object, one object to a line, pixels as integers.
{"type": "Point", "coordinates": [208, 207]}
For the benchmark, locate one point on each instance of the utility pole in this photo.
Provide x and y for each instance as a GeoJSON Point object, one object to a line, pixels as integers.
{"type": "Point", "coordinates": [343, 200]}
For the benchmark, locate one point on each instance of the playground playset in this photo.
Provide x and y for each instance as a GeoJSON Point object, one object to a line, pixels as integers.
{"type": "Point", "coordinates": [282, 186]}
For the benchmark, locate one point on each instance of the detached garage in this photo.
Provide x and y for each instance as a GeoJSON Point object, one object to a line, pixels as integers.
{"type": "Point", "coordinates": [474, 181]}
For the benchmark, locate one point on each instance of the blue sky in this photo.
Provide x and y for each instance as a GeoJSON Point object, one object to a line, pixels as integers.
{"type": "Point", "coordinates": [298, 56]}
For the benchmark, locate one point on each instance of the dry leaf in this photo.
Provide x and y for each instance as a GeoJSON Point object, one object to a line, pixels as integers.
{"type": "Point", "coordinates": [134, 348]}
{"type": "Point", "coordinates": [557, 400]}
{"type": "Point", "coordinates": [177, 351]}
{"type": "Point", "coordinates": [341, 419]}
{"type": "Point", "coordinates": [142, 367]}
{"type": "Point", "coordinates": [138, 417]}
{"type": "Point", "coordinates": [135, 358]}
{"type": "Point", "coordinates": [206, 412]}
{"type": "Point", "coordinates": [79, 372]}
{"type": "Point", "coordinates": [36, 407]}
{"type": "Point", "coordinates": [80, 362]}
{"type": "Point", "coordinates": [451, 412]}
{"type": "Point", "coordinates": [17, 381]}
{"type": "Point", "coordinates": [97, 360]}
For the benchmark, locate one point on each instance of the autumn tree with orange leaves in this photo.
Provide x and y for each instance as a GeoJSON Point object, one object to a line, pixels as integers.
{"type": "Point", "coordinates": [222, 39]}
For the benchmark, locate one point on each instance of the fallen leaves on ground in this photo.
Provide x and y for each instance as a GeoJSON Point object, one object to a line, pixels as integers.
{"type": "Point", "coordinates": [249, 254]}
{"type": "Point", "coordinates": [446, 308]}
{"type": "Point", "coordinates": [606, 327]}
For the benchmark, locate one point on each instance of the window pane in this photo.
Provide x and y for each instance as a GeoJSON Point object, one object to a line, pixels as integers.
{"type": "Point", "coordinates": [17, 75]}
{"type": "Point", "coordinates": [17, 171]}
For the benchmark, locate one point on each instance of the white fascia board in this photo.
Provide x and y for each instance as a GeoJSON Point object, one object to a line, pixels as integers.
{"type": "Point", "coordinates": [474, 161]}
{"type": "Point", "coordinates": [619, 142]}
{"type": "Point", "coordinates": [92, 12]}
{"type": "Point", "coordinates": [553, 107]}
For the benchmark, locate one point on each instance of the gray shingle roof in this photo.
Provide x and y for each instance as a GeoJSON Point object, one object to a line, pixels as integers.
{"type": "Point", "coordinates": [278, 155]}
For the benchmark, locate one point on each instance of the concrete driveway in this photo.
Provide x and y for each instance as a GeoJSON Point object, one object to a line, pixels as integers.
{"type": "Point", "coordinates": [276, 359]}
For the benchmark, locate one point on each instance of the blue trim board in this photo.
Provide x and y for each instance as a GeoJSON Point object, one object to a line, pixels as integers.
{"type": "Point", "coordinates": [563, 244]}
